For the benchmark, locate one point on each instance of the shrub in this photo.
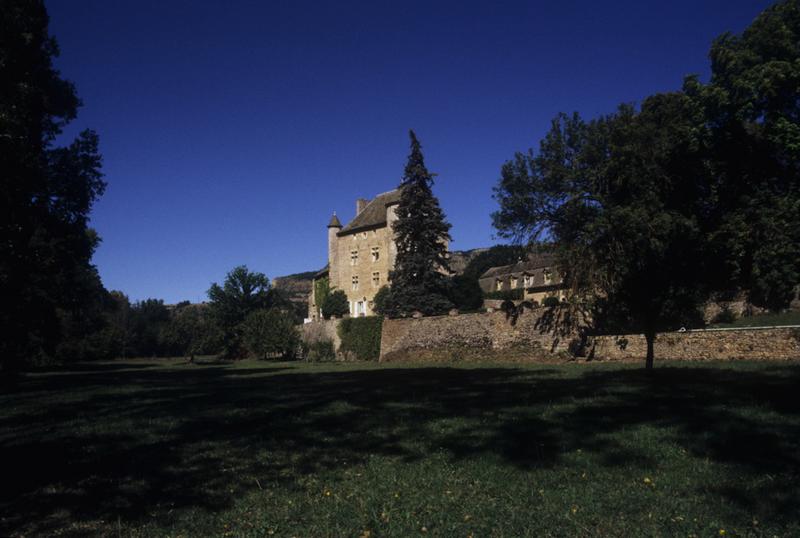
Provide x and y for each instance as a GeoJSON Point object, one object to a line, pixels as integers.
{"type": "Point", "coordinates": [505, 295]}
{"type": "Point", "coordinates": [361, 337]}
{"type": "Point", "coordinates": [466, 293]}
{"type": "Point", "coordinates": [726, 315]}
{"type": "Point", "coordinates": [319, 351]}
{"type": "Point", "coordinates": [550, 302]}
{"type": "Point", "coordinates": [381, 301]}
{"type": "Point", "coordinates": [335, 304]}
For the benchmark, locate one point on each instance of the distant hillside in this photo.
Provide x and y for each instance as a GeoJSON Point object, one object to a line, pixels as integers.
{"type": "Point", "coordinates": [296, 286]}
{"type": "Point", "coordinates": [459, 259]}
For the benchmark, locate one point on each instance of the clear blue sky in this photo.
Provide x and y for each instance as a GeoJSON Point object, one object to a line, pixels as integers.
{"type": "Point", "coordinates": [231, 130]}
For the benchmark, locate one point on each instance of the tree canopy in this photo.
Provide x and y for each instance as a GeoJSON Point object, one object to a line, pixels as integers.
{"type": "Point", "coordinates": [242, 293]}
{"type": "Point", "coordinates": [652, 209]}
{"type": "Point", "coordinates": [335, 303]}
{"type": "Point", "coordinates": [752, 111]}
{"type": "Point", "coordinates": [51, 293]}
{"type": "Point", "coordinates": [419, 280]}
{"type": "Point", "coordinates": [270, 333]}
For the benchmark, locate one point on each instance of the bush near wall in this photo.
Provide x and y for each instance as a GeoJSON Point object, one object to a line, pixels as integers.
{"type": "Point", "coordinates": [361, 338]}
{"type": "Point", "coordinates": [504, 295]}
{"type": "Point", "coordinates": [319, 351]}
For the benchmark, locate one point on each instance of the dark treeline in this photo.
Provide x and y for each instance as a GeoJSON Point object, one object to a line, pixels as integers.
{"type": "Point", "coordinates": [229, 324]}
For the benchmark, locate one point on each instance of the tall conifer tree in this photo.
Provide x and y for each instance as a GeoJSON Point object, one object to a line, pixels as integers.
{"type": "Point", "coordinates": [419, 280]}
{"type": "Point", "coordinates": [49, 290]}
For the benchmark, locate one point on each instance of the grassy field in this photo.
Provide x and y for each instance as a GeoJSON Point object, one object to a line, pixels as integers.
{"type": "Point", "coordinates": [164, 448]}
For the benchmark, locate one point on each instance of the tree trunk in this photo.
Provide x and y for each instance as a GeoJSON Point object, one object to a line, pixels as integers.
{"type": "Point", "coordinates": [650, 336]}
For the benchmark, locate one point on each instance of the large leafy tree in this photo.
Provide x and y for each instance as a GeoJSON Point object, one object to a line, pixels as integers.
{"type": "Point", "coordinates": [270, 333]}
{"type": "Point", "coordinates": [242, 293]}
{"type": "Point", "coordinates": [419, 280]}
{"type": "Point", "coordinates": [191, 331]}
{"type": "Point", "coordinates": [47, 283]}
{"type": "Point", "coordinates": [618, 197]}
{"type": "Point", "coordinates": [652, 210]}
{"type": "Point", "coordinates": [752, 109]}
{"type": "Point", "coordinates": [149, 319]}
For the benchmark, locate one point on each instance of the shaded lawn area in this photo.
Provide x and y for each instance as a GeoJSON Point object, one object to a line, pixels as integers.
{"type": "Point", "coordinates": [152, 448]}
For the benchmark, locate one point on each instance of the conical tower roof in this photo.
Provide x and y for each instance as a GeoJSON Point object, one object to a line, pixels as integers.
{"type": "Point", "coordinates": [334, 223]}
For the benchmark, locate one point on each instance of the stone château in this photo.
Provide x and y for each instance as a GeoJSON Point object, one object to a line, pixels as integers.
{"type": "Point", "coordinates": [360, 254]}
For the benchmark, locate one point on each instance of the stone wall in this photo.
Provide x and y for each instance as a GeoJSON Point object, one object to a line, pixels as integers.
{"type": "Point", "coordinates": [544, 334]}
{"type": "Point", "coordinates": [325, 329]}
{"type": "Point", "coordinates": [538, 334]}
{"type": "Point", "coordinates": [779, 343]}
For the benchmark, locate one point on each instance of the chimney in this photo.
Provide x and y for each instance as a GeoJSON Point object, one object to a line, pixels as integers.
{"type": "Point", "coordinates": [361, 203]}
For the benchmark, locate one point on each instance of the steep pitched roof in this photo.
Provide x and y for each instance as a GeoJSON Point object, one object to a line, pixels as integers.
{"type": "Point", "coordinates": [534, 261]}
{"type": "Point", "coordinates": [334, 223]}
{"type": "Point", "coordinates": [374, 215]}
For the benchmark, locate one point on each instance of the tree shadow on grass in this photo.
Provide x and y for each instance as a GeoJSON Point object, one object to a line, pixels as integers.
{"type": "Point", "coordinates": [128, 443]}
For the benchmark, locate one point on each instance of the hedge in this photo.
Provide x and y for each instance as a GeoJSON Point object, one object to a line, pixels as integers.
{"type": "Point", "coordinates": [505, 295]}
{"type": "Point", "coordinates": [361, 337]}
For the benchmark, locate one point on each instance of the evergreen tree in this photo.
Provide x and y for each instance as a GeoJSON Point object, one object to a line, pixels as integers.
{"type": "Point", "coordinates": [420, 277]}
{"type": "Point", "coordinates": [48, 288]}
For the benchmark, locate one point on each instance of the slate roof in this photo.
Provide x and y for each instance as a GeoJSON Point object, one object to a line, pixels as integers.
{"type": "Point", "coordinates": [534, 262]}
{"type": "Point", "coordinates": [334, 223]}
{"type": "Point", "coordinates": [374, 215]}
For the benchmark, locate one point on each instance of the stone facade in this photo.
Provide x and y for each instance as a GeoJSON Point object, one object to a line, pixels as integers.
{"type": "Point", "coordinates": [361, 254]}
{"type": "Point", "coordinates": [537, 277]}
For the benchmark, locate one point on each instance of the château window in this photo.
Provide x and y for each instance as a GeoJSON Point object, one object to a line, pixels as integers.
{"type": "Point", "coordinates": [499, 285]}
{"type": "Point", "coordinates": [376, 254]}
{"type": "Point", "coordinates": [353, 257]}
{"type": "Point", "coordinates": [527, 281]}
{"type": "Point", "coordinates": [514, 282]}
{"type": "Point", "coordinates": [548, 276]}
{"type": "Point", "coordinates": [376, 279]}
{"type": "Point", "coordinates": [355, 283]}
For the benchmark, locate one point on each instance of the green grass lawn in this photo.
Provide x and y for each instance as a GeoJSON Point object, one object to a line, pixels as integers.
{"type": "Point", "coordinates": [163, 448]}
